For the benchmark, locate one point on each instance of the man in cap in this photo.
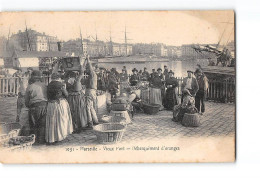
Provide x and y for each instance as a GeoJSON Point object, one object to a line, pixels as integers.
{"type": "Point", "coordinates": [97, 70]}
{"type": "Point", "coordinates": [190, 83]}
{"type": "Point", "coordinates": [152, 75]}
{"type": "Point", "coordinates": [123, 76]}
{"type": "Point", "coordinates": [201, 94]}
{"type": "Point", "coordinates": [36, 101]}
{"type": "Point", "coordinates": [101, 82]}
{"type": "Point", "coordinates": [134, 77]}
{"type": "Point", "coordinates": [124, 68]}
{"type": "Point", "coordinates": [166, 72]}
{"type": "Point", "coordinates": [161, 76]}
{"type": "Point", "coordinates": [145, 74]}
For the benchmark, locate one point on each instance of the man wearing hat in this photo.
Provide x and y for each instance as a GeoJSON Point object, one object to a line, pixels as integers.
{"type": "Point", "coordinates": [36, 101]}
{"type": "Point", "coordinates": [101, 81]}
{"type": "Point", "coordinates": [134, 77]}
{"type": "Point", "coordinates": [97, 70]}
{"type": "Point", "coordinates": [124, 68]}
{"type": "Point", "coordinates": [152, 74]}
{"type": "Point", "coordinates": [123, 76]}
{"type": "Point", "coordinates": [166, 72]}
{"type": "Point", "coordinates": [201, 94]}
{"type": "Point", "coordinates": [145, 74]}
{"type": "Point", "coordinates": [190, 83]}
{"type": "Point", "coordinates": [161, 76]}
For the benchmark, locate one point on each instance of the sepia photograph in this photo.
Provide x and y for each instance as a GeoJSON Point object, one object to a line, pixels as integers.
{"type": "Point", "coordinates": [118, 86]}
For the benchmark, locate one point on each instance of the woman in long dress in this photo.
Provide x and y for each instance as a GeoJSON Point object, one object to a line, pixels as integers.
{"type": "Point", "coordinates": [155, 90]}
{"type": "Point", "coordinates": [58, 120]}
{"type": "Point", "coordinates": [76, 101]}
{"type": "Point", "coordinates": [171, 84]}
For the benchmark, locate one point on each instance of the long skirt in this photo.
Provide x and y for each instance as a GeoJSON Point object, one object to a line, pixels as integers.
{"type": "Point", "coordinates": [91, 106]}
{"type": "Point", "coordinates": [170, 99]}
{"type": "Point", "coordinates": [37, 119]}
{"type": "Point", "coordinates": [78, 110]}
{"type": "Point", "coordinates": [156, 97]}
{"type": "Point", "coordinates": [58, 121]}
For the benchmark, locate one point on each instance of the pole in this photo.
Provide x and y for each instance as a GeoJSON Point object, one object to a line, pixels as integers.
{"type": "Point", "coordinates": [81, 40]}
{"type": "Point", "coordinates": [28, 40]}
{"type": "Point", "coordinates": [125, 41]}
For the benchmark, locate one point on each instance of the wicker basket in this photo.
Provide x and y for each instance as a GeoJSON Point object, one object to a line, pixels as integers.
{"type": "Point", "coordinates": [7, 131]}
{"type": "Point", "coordinates": [4, 138]}
{"type": "Point", "coordinates": [151, 108]}
{"type": "Point", "coordinates": [22, 147]}
{"type": "Point", "coordinates": [109, 133]}
{"type": "Point", "coordinates": [191, 120]}
{"type": "Point", "coordinates": [114, 119]}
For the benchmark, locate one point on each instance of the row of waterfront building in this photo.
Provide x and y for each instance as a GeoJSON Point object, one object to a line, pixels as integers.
{"type": "Point", "coordinates": [32, 40]}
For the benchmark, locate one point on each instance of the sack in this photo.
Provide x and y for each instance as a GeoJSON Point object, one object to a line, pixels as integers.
{"type": "Point", "coordinates": [119, 104]}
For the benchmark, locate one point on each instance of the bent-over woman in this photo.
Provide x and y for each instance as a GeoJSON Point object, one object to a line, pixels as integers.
{"type": "Point", "coordinates": [76, 100]}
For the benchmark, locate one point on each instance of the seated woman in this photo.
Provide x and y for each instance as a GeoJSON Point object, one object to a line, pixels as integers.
{"type": "Point", "coordinates": [187, 106]}
{"type": "Point", "coordinates": [155, 90]}
{"type": "Point", "coordinates": [171, 98]}
{"type": "Point", "coordinates": [58, 118]}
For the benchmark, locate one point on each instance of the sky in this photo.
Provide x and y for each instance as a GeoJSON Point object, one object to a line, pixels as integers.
{"type": "Point", "coordinates": [168, 27]}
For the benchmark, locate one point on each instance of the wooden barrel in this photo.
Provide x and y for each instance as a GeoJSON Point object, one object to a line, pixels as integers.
{"type": "Point", "coordinates": [191, 120]}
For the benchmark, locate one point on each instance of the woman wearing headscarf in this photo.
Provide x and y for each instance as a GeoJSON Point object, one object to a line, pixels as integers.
{"type": "Point", "coordinates": [76, 101]}
{"type": "Point", "coordinates": [58, 118]}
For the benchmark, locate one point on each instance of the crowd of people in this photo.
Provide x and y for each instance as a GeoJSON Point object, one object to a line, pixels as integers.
{"type": "Point", "coordinates": [68, 104]}
{"type": "Point", "coordinates": [61, 107]}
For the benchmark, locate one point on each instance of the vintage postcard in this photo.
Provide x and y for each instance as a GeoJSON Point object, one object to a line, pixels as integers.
{"type": "Point", "coordinates": [117, 87]}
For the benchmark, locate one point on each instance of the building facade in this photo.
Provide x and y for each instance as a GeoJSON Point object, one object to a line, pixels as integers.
{"type": "Point", "coordinates": [34, 41]}
{"type": "Point", "coordinates": [158, 49]}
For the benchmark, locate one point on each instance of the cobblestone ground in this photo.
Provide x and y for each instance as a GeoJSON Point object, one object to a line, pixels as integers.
{"type": "Point", "coordinates": [218, 120]}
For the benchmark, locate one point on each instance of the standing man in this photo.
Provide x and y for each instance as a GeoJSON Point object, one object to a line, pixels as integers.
{"type": "Point", "coordinates": [152, 75]}
{"type": "Point", "coordinates": [166, 72]}
{"type": "Point", "coordinates": [134, 77]}
{"type": "Point", "coordinates": [201, 94]}
{"type": "Point", "coordinates": [124, 68]}
{"type": "Point", "coordinates": [190, 83]}
{"type": "Point", "coordinates": [123, 76]}
{"type": "Point", "coordinates": [145, 74]}
{"type": "Point", "coordinates": [101, 84]}
{"type": "Point", "coordinates": [91, 96]}
{"type": "Point", "coordinates": [162, 77]}
{"type": "Point", "coordinates": [36, 101]}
